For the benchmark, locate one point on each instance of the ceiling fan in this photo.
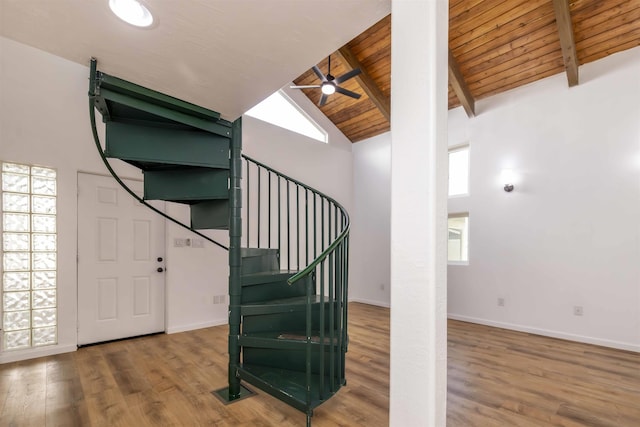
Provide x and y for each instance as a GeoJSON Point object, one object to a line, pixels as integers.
{"type": "Point", "coordinates": [331, 84]}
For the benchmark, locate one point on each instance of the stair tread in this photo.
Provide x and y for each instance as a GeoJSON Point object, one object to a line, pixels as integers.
{"type": "Point", "coordinates": [267, 277]}
{"type": "Point", "coordinates": [280, 305]}
{"type": "Point", "coordinates": [292, 336]}
{"type": "Point", "coordinates": [301, 300]}
{"type": "Point", "coordinates": [287, 385]}
{"type": "Point", "coordinates": [251, 252]}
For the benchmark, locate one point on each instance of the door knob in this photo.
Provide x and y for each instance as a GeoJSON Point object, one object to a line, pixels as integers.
{"type": "Point", "coordinates": [159, 259]}
{"type": "Point", "coordinates": [160, 270]}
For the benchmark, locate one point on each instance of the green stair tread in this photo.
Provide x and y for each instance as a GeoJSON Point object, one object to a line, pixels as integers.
{"type": "Point", "coordinates": [286, 339]}
{"type": "Point", "coordinates": [281, 305]}
{"type": "Point", "coordinates": [144, 144]}
{"type": "Point", "coordinates": [252, 252]}
{"type": "Point", "coordinates": [266, 277]}
{"type": "Point", "coordinates": [286, 385]}
{"type": "Point", "coordinates": [185, 184]}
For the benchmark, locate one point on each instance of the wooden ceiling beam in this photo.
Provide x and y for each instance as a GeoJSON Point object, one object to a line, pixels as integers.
{"type": "Point", "coordinates": [382, 102]}
{"type": "Point", "coordinates": [459, 85]}
{"type": "Point", "coordinates": [567, 42]}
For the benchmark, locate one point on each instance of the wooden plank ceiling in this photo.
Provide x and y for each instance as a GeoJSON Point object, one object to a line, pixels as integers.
{"type": "Point", "coordinates": [495, 46]}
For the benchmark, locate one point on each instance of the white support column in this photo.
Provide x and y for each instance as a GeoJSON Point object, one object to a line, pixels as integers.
{"type": "Point", "coordinates": [419, 77]}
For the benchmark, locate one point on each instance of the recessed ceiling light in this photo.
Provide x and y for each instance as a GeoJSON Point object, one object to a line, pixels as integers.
{"type": "Point", "coordinates": [132, 12]}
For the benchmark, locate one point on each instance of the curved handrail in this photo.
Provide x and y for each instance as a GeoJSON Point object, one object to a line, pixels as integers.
{"type": "Point", "coordinates": [311, 267]}
{"type": "Point", "coordinates": [96, 138]}
{"type": "Point", "coordinates": [341, 237]}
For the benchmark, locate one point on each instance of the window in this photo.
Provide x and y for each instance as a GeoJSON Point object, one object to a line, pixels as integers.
{"type": "Point", "coordinates": [280, 110]}
{"type": "Point", "coordinates": [459, 171]}
{"type": "Point", "coordinates": [29, 251]}
{"type": "Point", "coordinates": [459, 238]}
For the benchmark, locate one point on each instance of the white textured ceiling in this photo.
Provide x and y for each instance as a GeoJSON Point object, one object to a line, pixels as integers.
{"type": "Point", "coordinates": [226, 55]}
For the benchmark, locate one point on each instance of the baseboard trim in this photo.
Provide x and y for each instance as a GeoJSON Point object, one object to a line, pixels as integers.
{"type": "Point", "coordinates": [549, 333]}
{"type": "Point", "coordinates": [194, 326]}
{"type": "Point", "coordinates": [371, 302]}
{"type": "Point", "coordinates": [34, 353]}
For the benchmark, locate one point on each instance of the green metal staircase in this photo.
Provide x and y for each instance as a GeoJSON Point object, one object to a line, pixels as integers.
{"type": "Point", "coordinates": [288, 284]}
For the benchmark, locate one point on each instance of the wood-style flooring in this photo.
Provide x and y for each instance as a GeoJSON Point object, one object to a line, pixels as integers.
{"type": "Point", "coordinates": [496, 378]}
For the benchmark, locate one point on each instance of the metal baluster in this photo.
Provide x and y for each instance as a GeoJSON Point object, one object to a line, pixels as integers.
{"type": "Point", "coordinates": [288, 228]}
{"type": "Point", "coordinates": [308, 333]}
{"type": "Point", "coordinates": [335, 216]}
{"type": "Point", "coordinates": [332, 337]}
{"type": "Point", "coordinates": [279, 219]}
{"type": "Point", "coordinates": [338, 284]}
{"type": "Point", "coordinates": [269, 211]}
{"type": "Point", "coordinates": [248, 203]}
{"type": "Point", "coordinates": [306, 225]}
{"type": "Point", "coordinates": [321, 224]}
{"type": "Point", "coordinates": [298, 226]}
{"type": "Point", "coordinates": [259, 191]}
{"type": "Point", "coordinates": [345, 292]}
{"type": "Point", "coordinates": [322, 329]}
{"type": "Point", "coordinates": [329, 228]}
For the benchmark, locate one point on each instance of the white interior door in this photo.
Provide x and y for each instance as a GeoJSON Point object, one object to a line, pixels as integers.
{"type": "Point", "coordinates": [120, 262]}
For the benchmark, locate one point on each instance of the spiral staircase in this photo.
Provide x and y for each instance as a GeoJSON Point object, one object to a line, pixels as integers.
{"type": "Point", "coordinates": [288, 283]}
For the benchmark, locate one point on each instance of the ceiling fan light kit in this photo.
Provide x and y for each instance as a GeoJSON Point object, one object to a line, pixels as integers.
{"type": "Point", "coordinates": [328, 88]}
{"type": "Point", "coordinates": [331, 84]}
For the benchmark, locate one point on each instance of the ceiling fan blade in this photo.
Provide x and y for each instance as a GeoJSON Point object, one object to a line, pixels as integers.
{"type": "Point", "coordinates": [305, 87]}
{"type": "Point", "coordinates": [346, 76]}
{"type": "Point", "coordinates": [319, 73]}
{"type": "Point", "coordinates": [347, 92]}
{"type": "Point", "coordinates": [323, 99]}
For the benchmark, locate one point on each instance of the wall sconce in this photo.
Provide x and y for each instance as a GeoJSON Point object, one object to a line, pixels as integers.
{"type": "Point", "coordinates": [508, 178]}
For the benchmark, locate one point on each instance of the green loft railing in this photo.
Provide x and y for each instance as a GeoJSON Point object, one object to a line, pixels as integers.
{"type": "Point", "coordinates": [311, 232]}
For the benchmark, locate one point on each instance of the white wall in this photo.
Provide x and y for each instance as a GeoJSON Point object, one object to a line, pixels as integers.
{"type": "Point", "coordinates": [44, 120]}
{"type": "Point", "coordinates": [371, 230]}
{"type": "Point", "coordinates": [569, 234]}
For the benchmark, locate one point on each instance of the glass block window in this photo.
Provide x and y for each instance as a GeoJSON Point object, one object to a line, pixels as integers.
{"type": "Point", "coordinates": [29, 256]}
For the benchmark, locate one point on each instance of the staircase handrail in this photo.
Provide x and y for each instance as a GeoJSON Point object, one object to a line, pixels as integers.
{"type": "Point", "coordinates": [94, 130]}
{"type": "Point", "coordinates": [345, 232]}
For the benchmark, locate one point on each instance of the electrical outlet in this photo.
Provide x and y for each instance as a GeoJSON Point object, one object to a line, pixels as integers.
{"type": "Point", "coordinates": [179, 243]}
{"type": "Point", "coordinates": [197, 243]}
{"type": "Point", "coordinates": [219, 299]}
{"type": "Point", "coordinates": [577, 310]}
{"type": "Point", "coordinates": [500, 302]}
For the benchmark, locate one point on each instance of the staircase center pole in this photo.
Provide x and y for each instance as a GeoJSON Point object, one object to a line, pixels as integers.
{"type": "Point", "coordinates": [235, 234]}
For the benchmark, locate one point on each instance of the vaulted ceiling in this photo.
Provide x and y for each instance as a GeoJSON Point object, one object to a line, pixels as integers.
{"type": "Point", "coordinates": [494, 46]}
{"type": "Point", "coordinates": [228, 55]}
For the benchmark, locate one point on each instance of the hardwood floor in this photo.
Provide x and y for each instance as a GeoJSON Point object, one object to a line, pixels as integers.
{"type": "Point", "coordinates": [166, 380]}
{"type": "Point", "coordinates": [496, 378]}
{"type": "Point", "coordinates": [505, 378]}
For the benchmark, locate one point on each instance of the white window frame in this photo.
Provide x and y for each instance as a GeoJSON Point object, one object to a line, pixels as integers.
{"type": "Point", "coordinates": [307, 117]}
{"type": "Point", "coordinates": [468, 239]}
{"type": "Point", "coordinates": [454, 149]}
